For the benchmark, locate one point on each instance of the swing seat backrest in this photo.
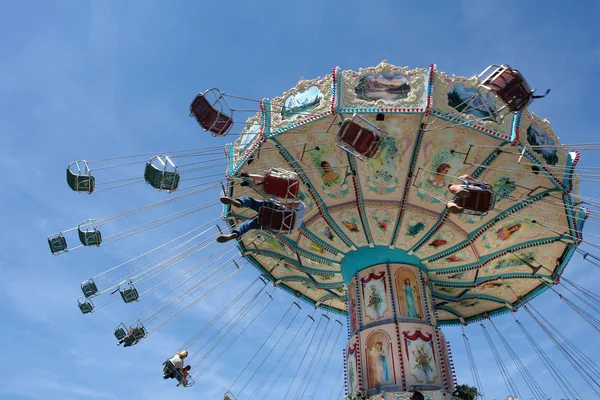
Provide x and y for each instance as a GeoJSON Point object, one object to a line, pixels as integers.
{"type": "Point", "coordinates": [479, 202]}
{"type": "Point", "coordinates": [138, 332]}
{"type": "Point", "coordinates": [281, 186]}
{"type": "Point", "coordinates": [159, 179]}
{"type": "Point", "coordinates": [510, 86]}
{"type": "Point", "coordinates": [90, 238]}
{"type": "Point", "coordinates": [357, 139]}
{"type": "Point", "coordinates": [80, 183]}
{"type": "Point", "coordinates": [179, 375]}
{"type": "Point", "coordinates": [209, 118]}
{"type": "Point", "coordinates": [276, 219]}
{"type": "Point", "coordinates": [57, 243]}
{"type": "Point", "coordinates": [130, 295]}
{"type": "Point", "coordinates": [89, 288]}
{"type": "Point", "coordinates": [86, 308]}
{"type": "Point", "coordinates": [120, 333]}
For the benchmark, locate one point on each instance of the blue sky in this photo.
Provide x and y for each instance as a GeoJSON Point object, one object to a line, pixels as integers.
{"type": "Point", "coordinates": [96, 79]}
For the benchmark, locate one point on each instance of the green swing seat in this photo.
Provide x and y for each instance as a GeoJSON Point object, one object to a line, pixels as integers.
{"type": "Point", "coordinates": [120, 333]}
{"type": "Point", "coordinates": [138, 332]}
{"type": "Point", "coordinates": [81, 179]}
{"type": "Point", "coordinates": [57, 243]}
{"type": "Point", "coordinates": [85, 306]}
{"type": "Point", "coordinates": [130, 294]}
{"type": "Point", "coordinates": [89, 235]}
{"type": "Point", "coordinates": [83, 183]}
{"type": "Point", "coordinates": [160, 178]}
{"type": "Point", "coordinates": [89, 288]}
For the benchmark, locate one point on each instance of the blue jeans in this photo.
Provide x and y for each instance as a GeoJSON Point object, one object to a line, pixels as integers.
{"type": "Point", "coordinates": [249, 202]}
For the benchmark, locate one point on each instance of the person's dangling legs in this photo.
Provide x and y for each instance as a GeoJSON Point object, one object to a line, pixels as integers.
{"type": "Point", "coordinates": [250, 224]}
{"type": "Point", "coordinates": [460, 191]}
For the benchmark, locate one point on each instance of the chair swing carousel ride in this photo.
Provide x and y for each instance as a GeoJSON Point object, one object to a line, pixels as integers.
{"type": "Point", "coordinates": [431, 200]}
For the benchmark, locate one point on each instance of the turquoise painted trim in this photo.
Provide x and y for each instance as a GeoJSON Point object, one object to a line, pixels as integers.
{"type": "Point", "coordinates": [339, 83]}
{"type": "Point", "coordinates": [484, 259]}
{"type": "Point", "coordinates": [312, 282]}
{"type": "Point", "coordinates": [568, 254]}
{"type": "Point", "coordinates": [279, 256]}
{"type": "Point", "coordinates": [291, 291]}
{"type": "Point", "coordinates": [451, 117]}
{"type": "Point", "coordinates": [478, 281]}
{"type": "Point", "coordinates": [266, 117]}
{"type": "Point", "coordinates": [514, 128]}
{"type": "Point", "coordinates": [502, 310]}
{"type": "Point", "coordinates": [470, 296]}
{"type": "Point", "coordinates": [338, 230]}
{"type": "Point", "coordinates": [360, 201]}
{"type": "Point", "coordinates": [295, 125]}
{"type": "Point", "coordinates": [366, 257]}
{"type": "Point", "coordinates": [307, 254]}
{"type": "Point", "coordinates": [311, 236]}
{"type": "Point", "coordinates": [378, 110]}
{"type": "Point", "coordinates": [265, 127]}
{"type": "Point", "coordinates": [506, 213]}
{"type": "Point", "coordinates": [569, 170]}
{"type": "Point", "coordinates": [571, 214]}
{"type": "Point", "coordinates": [407, 185]}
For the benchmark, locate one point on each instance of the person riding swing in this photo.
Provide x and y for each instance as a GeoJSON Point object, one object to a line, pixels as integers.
{"type": "Point", "coordinates": [471, 197]}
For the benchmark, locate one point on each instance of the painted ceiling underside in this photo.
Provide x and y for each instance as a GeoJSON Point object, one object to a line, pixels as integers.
{"type": "Point", "coordinates": [475, 265]}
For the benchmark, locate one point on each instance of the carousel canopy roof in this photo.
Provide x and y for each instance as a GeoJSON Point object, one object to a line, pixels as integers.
{"type": "Point", "coordinates": [392, 206]}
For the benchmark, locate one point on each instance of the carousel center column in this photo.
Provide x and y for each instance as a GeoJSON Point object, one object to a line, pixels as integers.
{"type": "Point", "coordinates": [394, 346]}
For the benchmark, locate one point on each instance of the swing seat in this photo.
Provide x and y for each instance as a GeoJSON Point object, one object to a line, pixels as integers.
{"type": "Point", "coordinates": [161, 180]}
{"type": "Point", "coordinates": [169, 367]}
{"type": "Point", "coordinates": [120, 333]}
{"type": "Point", "coordinates": [277, 219]}
{"type": "Point", "coordinates": [509, 85]}
{"type": "Point", "coordinates": [130, 295]}
{"type": "Point", "coordinates": [211, 119]}
{"type": "Point", "coordinates": [138, 332]}
{"type": "Point", "coordinates": [85, 306]}
{"type": "Point", "coordinates": [89, 237]}
{"type": "Point", "coordinates": [361, 140]}
{"type": "Point", "coordinates": [161, 173]}
{"type": "Point", "coordinates": [80, 183]}
{"type": "Point", "coordinates": [79, 177]}
{"type": "Point", "coordinates": [281, 183]}
{"type": "Point", "coordinates": [179, 375]}
{"type": "Point", "coordinates": [479, 202]}
{"type": "Point", "coordinates": [89, 288]}
{"type": "Point", "coordinates": [57, 243]}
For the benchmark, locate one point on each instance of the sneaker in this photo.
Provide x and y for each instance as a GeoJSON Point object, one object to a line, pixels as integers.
{"type": "Point", "coordinates": [227, 238]}
{"type": "Point", "coordinates": [454, 208]}
{"type": "Point", "coordinates": [231, 202]}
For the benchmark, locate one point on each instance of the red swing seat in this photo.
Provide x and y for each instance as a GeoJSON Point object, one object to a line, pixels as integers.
{"type": "Point", "coordinates": [277, 219]}
{"type": "Point", "coordinates": [509, 85]}
{"type": "Point", "coordinates": [281, 183]}
{"type": "Point", "coordinates": [362, 140]}
{"type": "Point", "coordinates": [209, 118]}
{"type": "Point", "coordinates": [479, 202]}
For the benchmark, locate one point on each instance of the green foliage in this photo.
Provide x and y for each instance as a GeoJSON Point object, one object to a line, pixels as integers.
{"type": "Point", "coordinates": [359, 394]}
{"type": "Point", "coordinates": [466, 392]}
